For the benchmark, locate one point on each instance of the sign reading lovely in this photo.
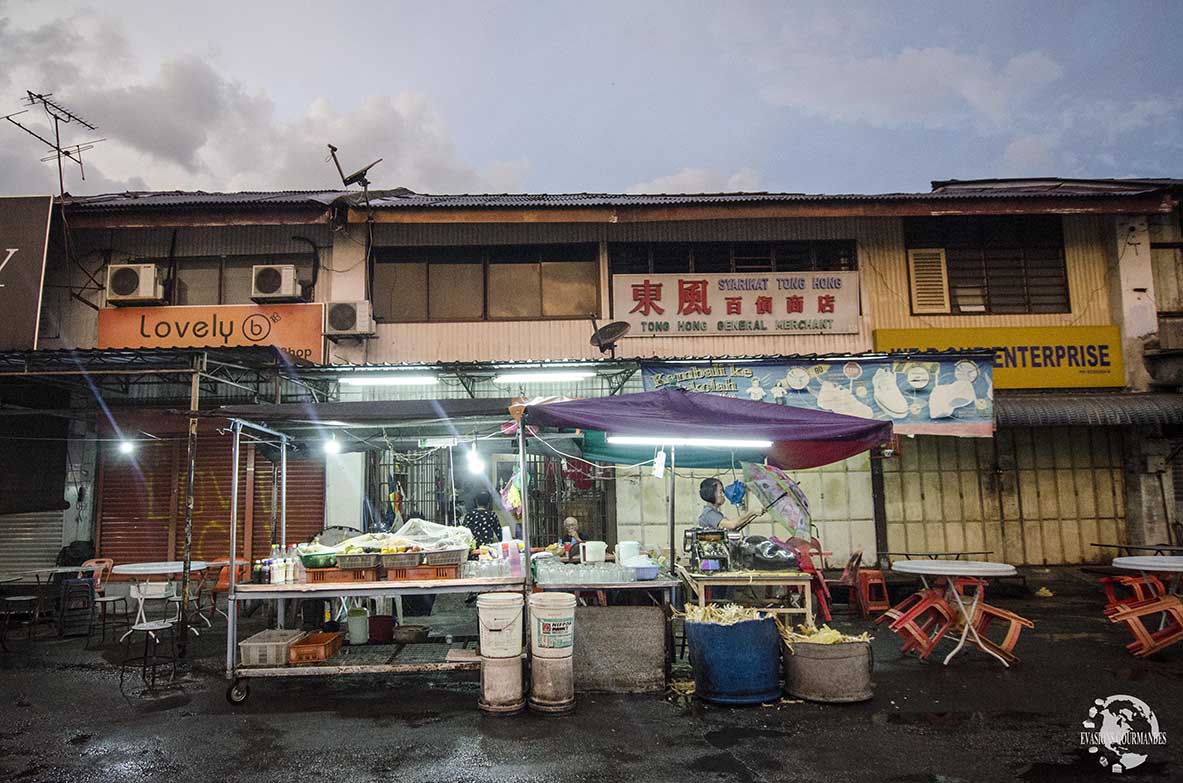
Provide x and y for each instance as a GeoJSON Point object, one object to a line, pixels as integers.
{"type": "Point", "coordinates": [693, 305]}
{"type": "Point", "coordinates": [294, 328]}
{"type": "Point", "coordinates": [946, 396]}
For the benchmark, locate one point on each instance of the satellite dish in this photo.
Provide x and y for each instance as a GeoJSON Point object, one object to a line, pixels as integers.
{"type": "Point", "coordinates": [606, 337]}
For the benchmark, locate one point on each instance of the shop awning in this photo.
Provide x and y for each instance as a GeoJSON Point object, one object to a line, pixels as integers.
{"type": "Point", "coordinates": [376, 413]}
{"type": "Point", "coordinates": [801, 438]}
{"type": "Point", "coordinates": [1116, 409]}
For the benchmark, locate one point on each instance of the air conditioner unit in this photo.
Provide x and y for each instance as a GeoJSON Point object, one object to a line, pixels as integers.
{"type": "Point", "coordinates": [134, 284]}
{"type": "Point", "coordinates": [275, 283]}
{"type": "Point", "coordinates": [348, 319]}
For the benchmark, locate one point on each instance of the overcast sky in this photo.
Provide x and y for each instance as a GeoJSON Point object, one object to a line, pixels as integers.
{"type": "Point", "coordinates": [595, 96]}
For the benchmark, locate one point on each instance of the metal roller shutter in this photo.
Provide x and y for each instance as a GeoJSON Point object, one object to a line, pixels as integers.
{"type": "Point", "coordinates": [211, 498]}
{"type": "Point", "coordinates": [30, 541]}
{"type": "Point", "coordinates": [306, 502]}
{"type": "Point", "coordinates": [137, 502]}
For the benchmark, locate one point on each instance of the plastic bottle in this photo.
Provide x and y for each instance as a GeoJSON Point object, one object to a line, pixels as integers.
{"type": "Point", "coordinates": [291, 580]}
{"type": "Point", "coordinates": [265, 572]}
{"type": "Point", "coordinates": [515, 562]}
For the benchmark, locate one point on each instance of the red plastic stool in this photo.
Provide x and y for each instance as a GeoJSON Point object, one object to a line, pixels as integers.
{"type": "Point", "coordinates": [987, 614]}
{"type": "Point", "coordinates": [1144, 588]}
{"type": "Point", "coordinates": [1147, 642]}
{"type": "Point", "coordinates": [925, 629]}
{"type": "Point", "coordinates": [872, 592]}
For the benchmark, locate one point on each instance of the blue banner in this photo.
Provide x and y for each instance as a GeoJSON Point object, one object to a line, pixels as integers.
{"type": "Point", "coordinates": [919, 396]}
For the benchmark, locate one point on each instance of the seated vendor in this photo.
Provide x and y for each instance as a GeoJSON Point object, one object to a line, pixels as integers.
{"type": "Point", "coordinates": [711, 491]}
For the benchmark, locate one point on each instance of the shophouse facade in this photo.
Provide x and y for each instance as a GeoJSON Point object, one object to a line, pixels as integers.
{"type": "Point", "coordinates": [1056, 279]}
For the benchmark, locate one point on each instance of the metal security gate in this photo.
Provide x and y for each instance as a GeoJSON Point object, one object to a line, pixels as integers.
{"type": "Point", "coordinates": [30, 541]}
{"type": "Point", "coordinates": [1034, 496]}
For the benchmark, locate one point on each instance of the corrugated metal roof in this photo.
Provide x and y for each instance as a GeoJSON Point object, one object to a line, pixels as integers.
{"type": "Point", "coordinates": [1117, 409]}
{"type": "Point", "coordinates": [402, 198]}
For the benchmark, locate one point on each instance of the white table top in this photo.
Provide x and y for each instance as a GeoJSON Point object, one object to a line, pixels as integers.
{"type": "Point", "coordinates": [165, 567]}
{"type": "Point", "coordinates": [65, 570]}
{"type": "Point", "coordinates": [1172, 563]}
{"type": "Point", "coordinates": [978, 568]}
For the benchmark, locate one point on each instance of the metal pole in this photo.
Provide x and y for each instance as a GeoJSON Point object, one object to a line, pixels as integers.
{"type": "Point", "coordinates": [187, 550]}
{"type": "Point", "coordinates": [672, 505]}
{"type": "Point", "coordinates": [525, 496]}
{"type": "Point", "coordinates": [281, 604]}
{"type": "Point", "coordinates": [231, 603]}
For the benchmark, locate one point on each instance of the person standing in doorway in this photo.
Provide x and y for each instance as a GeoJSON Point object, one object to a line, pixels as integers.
{"type": "Point", "coordinates": [483, 522]}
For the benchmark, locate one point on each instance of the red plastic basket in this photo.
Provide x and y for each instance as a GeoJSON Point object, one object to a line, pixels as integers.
{"type": "Point", "coordinates": [422, 573]}
{"type": "Point", "coordinates": [315, 648]}
{"type": "Point", "coordinates": [322, 575]}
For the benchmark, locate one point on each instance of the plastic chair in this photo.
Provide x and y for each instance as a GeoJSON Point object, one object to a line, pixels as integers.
{"type": "Point", "coordinates": [986, 615]}
{"type": "Point", "coordinates": [821, 593]}
{"type": "Point", "coordinates": [1147, 642]}
{"type": "Point", "coordinates": [923, 626]}
{"type": "Point", "coordinates": [1142, 589]}
{"type": "Point", "coordinates": [872, 592]}
{"type": "Point", "coordinates": [100, 577]}
{"type": "Point", "coordinates": [222, 585]}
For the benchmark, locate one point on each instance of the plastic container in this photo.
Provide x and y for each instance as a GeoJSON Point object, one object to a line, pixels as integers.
{"type": "Point", "coordinates": [422, 573]}
{"type": "Point", "coordinates": [831, 673]}
{"type": "Point", "coordinates": [735, 664]}
{"type": "Point", "coordinates": [552, 685]}
{"type": "Point", "coordinates": [315, 648]}
{"type": "Point", "coordinates": [502, 692]}
{"type": "Point", "coordinates": [321, 575]}
{"type": "Point", "coordinates": [500, 619]}
{"type": "Point", "coordinates": [322, 560]}
{"type": "Point", "coordinates": [410, 634]}
{"type": "Point", "coordinates": [646, 573]}
{"type": "Point", "coordinates": [381, 629]}
{"type": "Point", "coordinates": [357, 626]}
{"type": "Point", "coordinates": [363, 560]}
{"type": "Point", "coordinates": [402, 560]}
{"type": "Point", "coordinates": [552, 625]}
{"type": "Point", "coordinates": [267, 648]}
{"type": "Point", "coordinates": [445, 557]}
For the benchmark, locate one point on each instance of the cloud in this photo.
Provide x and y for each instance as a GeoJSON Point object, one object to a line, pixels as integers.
{"type": "Point", "coordinates": [694, 180]}
{"type": "Point", "coordinates": [189, 126]}
{"type": "Point", "coordinates": [1029, 156]}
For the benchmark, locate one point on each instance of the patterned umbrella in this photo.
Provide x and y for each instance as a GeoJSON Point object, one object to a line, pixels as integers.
{"type": "Point", "coordinates": [782, 497]}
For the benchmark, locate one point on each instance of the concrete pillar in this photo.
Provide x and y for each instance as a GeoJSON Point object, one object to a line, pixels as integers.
{"type": "Point", "coordinates": [1149, 488]}
{"type": "Point", "coordinates": [1132, 300]}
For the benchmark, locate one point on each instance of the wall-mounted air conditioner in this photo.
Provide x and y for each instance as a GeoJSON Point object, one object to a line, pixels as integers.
{"type": "Point", "coordinates": [348, 319]}
{"type": "Point", "coordinates": [134, 284]}
{"type": "Point", "coordinates": [275, 283]}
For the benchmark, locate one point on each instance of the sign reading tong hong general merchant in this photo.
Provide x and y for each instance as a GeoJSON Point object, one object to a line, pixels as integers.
{"type": "Point", "coordinates": [24, 236]}
{"type": "Point", "coordinates": [297, 329]}
{"type": "Point", "coordinates": [693, 305]}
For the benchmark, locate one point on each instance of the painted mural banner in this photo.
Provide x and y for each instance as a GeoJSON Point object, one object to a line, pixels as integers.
{"type": "Point", "coordinates": [693, 305]}
{"type": "Point", "coordinates": [296, 329]}
{"type": "Point", "coordinates": [1034, 357]}
{"type": "Point", "coordinates": [950, 396]}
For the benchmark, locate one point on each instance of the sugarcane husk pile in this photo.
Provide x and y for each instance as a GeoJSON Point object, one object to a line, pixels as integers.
{"type": "Point", "coordinates": [808, 634]}
{"type": "Point", "coordinates": [725, 614]}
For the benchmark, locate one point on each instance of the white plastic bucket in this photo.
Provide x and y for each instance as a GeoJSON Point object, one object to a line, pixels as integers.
{"type": "Point", "coordinates": [552, 624]}
{"type": "Point", "coordinates": [502, 691]}
{"type": "Point", "coordinates": [500, 618]}
{"type": "Point", "coordinates": [552, 685]}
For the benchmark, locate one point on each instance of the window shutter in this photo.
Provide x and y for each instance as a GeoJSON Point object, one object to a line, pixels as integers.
{"type": "Point", "coordinates": [930, 281]}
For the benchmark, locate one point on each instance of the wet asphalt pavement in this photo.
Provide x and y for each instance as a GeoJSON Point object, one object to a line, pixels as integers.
{"type": "Point", "coordinates": [62, 718]}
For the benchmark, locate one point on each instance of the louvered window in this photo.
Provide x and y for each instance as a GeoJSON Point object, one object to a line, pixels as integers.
{"type": "Point", "coordinates": [632, 258]}
{"type": "Point", "coordinates": [930, 281]}
{"type": "Point", "coordinates": [993, 265]}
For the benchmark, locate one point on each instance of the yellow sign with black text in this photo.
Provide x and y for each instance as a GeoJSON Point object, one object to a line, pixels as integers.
{"type": "Point", "coordinates": [1027, 357]}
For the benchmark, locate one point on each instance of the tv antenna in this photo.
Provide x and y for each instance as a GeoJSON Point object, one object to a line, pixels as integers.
{"type": "Point", "coordinates": [360, 177]}
{"type": "Point", "coordinates": [60, 116]}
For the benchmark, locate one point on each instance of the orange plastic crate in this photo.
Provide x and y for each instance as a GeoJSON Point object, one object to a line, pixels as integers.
{"type": "Point", "coordinates": [422, 573]}
{"type": "Point", "coordinates": [321, 575]}
{"type": "Point", "coordinates": [315, 648]}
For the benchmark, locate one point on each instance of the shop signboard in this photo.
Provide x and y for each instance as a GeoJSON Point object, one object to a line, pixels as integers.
{"type": "Point", "coordinates": [297, 329]}
{"type": "Point", "coordinates": [693, 305]}
{"type": "Point", "coordinates": [24, 237]}
{"type": "Point", "coordinates": [947, 396]}
{"type": "Point", "coordinates": [1027, 357]}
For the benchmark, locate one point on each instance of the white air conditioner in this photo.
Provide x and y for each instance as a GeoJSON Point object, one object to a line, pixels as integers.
{"type": "Point", "coordinates": [275, 283]}
{"type": "Point", "coordinates": [348, 319]}
{"type": "Point", "coordinates": [134, 284]}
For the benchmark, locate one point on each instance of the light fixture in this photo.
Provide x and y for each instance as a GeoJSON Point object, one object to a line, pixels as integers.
{"type": "Point", "coordinates": [475, 463]}
{"type": "Point", "coordinates": [332, 446]}
{"type": "Point", "coordinates": [658, 440]}
{"type": "Point", "coordinates": [544, 377]}
{"type": "Point", "coordinates": [389, 380]}
{"type": "Point", "coordinates": [126, 447]}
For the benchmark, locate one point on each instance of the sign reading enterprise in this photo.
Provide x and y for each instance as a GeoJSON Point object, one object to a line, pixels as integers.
{"type": "Point", "coordinates": [1052, 357]}
{"type": "Point", "coordinates": [296, 329]}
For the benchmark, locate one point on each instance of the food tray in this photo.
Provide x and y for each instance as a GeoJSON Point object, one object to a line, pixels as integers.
{"type": "Point", "coordinates": [363, 560]}
{"type": "Point", "coordinates": [423, 573]}
{"type": "Point", "coordinates": [322, 575]}
{"type": "Point", "coordinates": [402, 560]}
{"type": "Point", "coordinates": [267, 648]}
{"type": "Point", "coordinates": [445, 557]}
{"type": "Point", "coordinates": [320, 560]}
{"type": "Point", "coordinates": [315, 648]}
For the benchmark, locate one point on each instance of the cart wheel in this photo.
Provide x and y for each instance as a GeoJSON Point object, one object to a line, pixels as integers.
{"type": "Point", "coordinates": [238, 692]}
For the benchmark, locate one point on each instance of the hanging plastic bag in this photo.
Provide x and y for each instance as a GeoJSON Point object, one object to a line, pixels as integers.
{"type": "Point", "coordinates": [735, 492]}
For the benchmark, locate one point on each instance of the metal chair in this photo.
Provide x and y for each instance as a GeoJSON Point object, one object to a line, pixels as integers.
{"type": "Point", "coordinates": [151, 659]}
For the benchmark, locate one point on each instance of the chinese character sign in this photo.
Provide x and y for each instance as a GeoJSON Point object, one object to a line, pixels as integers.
{"type": "Point", "coordinates": [771, 303]}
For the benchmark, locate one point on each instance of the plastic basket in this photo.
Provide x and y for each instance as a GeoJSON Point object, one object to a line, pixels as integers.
{"type": "Point", "coordinates": [320, 560]}
{"type": "Point", "coordinates": [444, 557]}
{"type": "Point", "coordinates": [423, 573]}
{"type": "Point", "coordinates": [363, 560]}
{"type": "Point", "coordinates": [402, 560]}
{"type": "Point", "coordinates": [315, 648]}
{"type": "Point", "coordinates": [322, 575]}
{"type": "Point", "coordinates": [267, 648]}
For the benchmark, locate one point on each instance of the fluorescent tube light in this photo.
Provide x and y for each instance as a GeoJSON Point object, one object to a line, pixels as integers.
{"type": "Point", "coordinates": [126, 447]}
{"type": "Point", "coordinates": [544, 377]}
{"type": "Point", "coordinates": [332, 446]}
{"type": "Point", "coordinates": [389, 380]}
{"type": "Point", "coordinates": [657, 440]}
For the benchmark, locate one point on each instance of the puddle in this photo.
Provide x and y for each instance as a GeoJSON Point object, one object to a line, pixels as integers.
{"type": "Point", "coordinates": [729, 738]}
{"type": "Point", "coordinates": [79, 739]}
{"type": "Point", "coordinates": [722, 764]}
{"type": "Point", "coordinates": [1005, 719]}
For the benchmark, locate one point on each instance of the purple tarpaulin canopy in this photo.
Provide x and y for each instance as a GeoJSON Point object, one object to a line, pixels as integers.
{"type": "Point", "coordinates": [801, 438]}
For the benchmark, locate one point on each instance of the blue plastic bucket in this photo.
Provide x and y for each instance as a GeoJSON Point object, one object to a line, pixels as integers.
{"type": "Point", "coordinates": [735, 664]}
